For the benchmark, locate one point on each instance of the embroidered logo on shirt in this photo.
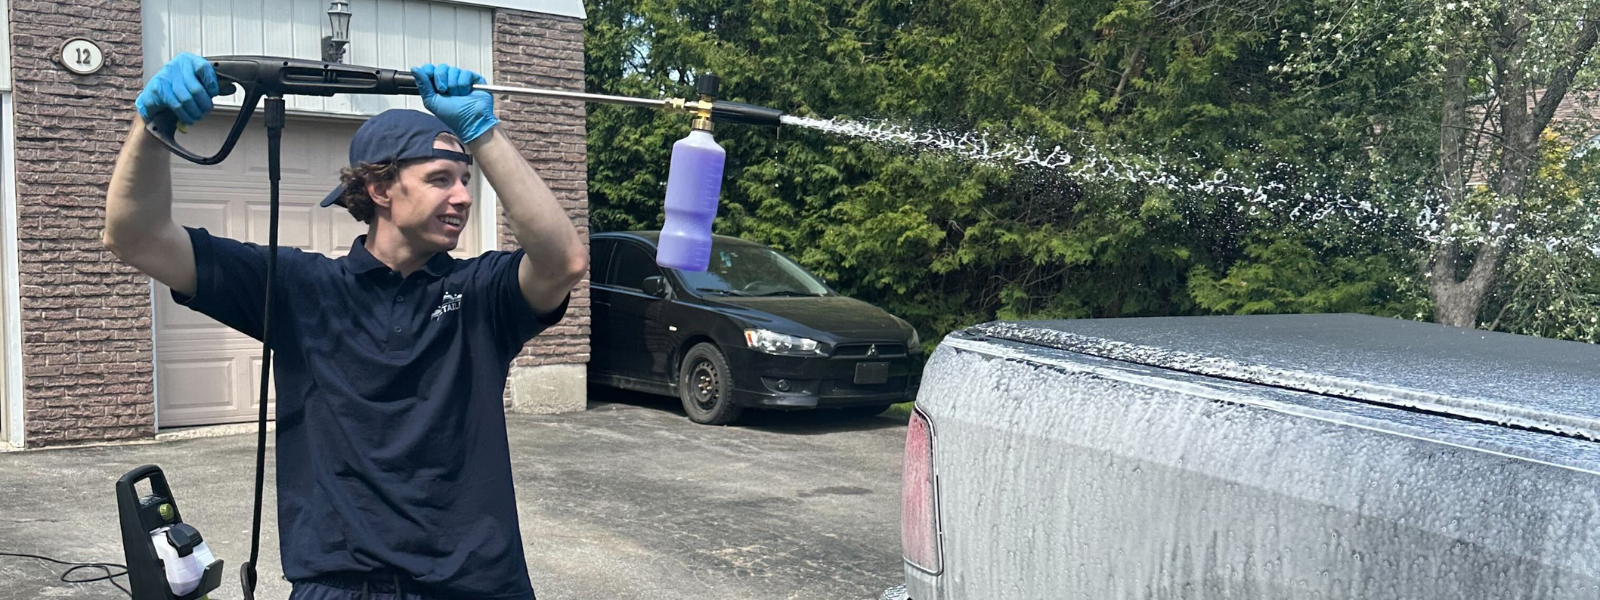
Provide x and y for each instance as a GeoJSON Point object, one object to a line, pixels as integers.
{"type": "Point", "coordinates": [451, 302]}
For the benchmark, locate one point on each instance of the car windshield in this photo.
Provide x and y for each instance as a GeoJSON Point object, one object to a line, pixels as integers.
{"type": "Point", "coordinates": [741, 270]}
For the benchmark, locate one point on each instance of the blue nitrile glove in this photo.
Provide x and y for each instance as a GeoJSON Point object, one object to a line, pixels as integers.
{"type": "Point", "coordinates": [447, 93]}
{"type": "Point", "coordinates": [183, 88]}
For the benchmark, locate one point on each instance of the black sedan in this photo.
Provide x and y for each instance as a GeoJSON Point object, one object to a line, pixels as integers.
{"type": "Point", "coordinates": [755, 329]}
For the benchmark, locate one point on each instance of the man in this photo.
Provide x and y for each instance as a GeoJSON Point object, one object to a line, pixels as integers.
{"type": "Point", "coordinates": [393, 469]}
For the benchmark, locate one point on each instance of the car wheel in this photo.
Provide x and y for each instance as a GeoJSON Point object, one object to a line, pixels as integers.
{"type": "Point", "coordinates": [706, 387]}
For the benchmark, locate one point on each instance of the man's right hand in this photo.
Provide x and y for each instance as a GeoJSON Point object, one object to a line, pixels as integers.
{"type": "Point", "coordinates": [182, 89]}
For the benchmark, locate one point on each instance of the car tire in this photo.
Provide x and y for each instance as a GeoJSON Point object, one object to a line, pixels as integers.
{"type": "Point", "coordinates": [705, 386]}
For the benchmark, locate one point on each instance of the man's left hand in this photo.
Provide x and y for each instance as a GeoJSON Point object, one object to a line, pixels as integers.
{"type": "Point", "coordinates": [447, 93]}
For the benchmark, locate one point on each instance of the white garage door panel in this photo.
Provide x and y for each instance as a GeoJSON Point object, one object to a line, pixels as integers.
{"type": "Point", "coordinates": [345, 232]}
{"type": "Point", "coordinates": [294, 224]}
{"type": "Point", "coordinates": [207, 373]}
{"type": "Point", "coordinates": [178, 322]}
{"type": "Point", "coordinates": [254, 385]}
{"type": "Point", "coordinates": [211, 213]}
{"type": "Point", "coordinates": [211, 378]}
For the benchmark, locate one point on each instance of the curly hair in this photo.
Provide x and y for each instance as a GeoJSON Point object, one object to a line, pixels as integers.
{"type": "Point", "coordinates": [355, 198]}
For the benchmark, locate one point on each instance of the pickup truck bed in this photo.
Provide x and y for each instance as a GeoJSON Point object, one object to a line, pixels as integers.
{"type": "Point", "coordinates": [1283, 457]}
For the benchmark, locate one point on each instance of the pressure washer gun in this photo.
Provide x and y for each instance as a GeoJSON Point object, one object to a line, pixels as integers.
{"type": "Point", "coordinates": [694, 181]}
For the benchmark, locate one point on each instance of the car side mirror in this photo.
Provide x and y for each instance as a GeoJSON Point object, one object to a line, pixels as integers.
{"type": "Point", "coordinates": [656, 286]}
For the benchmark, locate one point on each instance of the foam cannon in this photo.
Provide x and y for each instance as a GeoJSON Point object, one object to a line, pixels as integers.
{"type": "Point", "coordinates": [694, 181]}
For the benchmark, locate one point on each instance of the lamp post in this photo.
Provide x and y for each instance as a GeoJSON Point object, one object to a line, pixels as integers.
{"type": "Point", "coordinates": [333, 45]}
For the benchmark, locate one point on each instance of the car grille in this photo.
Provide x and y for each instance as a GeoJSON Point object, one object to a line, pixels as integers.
{"type": "Point", "coordinates": [865, 350]}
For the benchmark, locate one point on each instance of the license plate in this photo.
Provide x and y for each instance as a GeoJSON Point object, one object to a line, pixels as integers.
{"type": "Point", "coordinates": [871, 373]}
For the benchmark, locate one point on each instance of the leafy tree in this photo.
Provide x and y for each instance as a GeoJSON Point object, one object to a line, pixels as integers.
{"type": "Point", "coordinates": [1552, 288]}
{"type": "Point", "coordinates": [1288, 274]}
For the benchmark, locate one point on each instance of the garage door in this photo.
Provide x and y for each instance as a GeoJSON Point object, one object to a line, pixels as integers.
{"type": "Point", "coordinates": [209, 374]}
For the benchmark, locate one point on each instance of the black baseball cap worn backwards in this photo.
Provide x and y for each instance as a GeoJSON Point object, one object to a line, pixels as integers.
{"type": "Point", "coordinates": [395, 135]}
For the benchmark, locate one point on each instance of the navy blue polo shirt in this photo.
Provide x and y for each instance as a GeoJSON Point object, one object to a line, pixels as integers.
{"type": "Point", "coordinates": [392, 455]}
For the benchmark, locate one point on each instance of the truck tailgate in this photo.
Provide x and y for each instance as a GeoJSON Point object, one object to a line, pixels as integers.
{"type": "Point", "coordinates": [1157, 469]}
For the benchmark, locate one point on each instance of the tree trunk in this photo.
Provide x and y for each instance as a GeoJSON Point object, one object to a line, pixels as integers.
{"type": "Point", "coordinates": [1456, 303]}
{"type": "Point", "coordinates": [1453, 304]}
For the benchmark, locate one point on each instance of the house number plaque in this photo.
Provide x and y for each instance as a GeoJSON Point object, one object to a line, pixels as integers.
{"type": "Point", "coordinates": [82, 56]}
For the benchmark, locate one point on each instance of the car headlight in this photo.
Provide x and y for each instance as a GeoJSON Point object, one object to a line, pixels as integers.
{"type": "Point", "coordinates": [772, 342]}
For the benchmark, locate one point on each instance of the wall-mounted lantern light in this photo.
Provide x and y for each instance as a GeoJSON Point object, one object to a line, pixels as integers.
{"type": "Point", "coordinates": [333, 46]}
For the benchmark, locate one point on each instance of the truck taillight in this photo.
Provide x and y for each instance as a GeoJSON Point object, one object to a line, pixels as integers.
{"type": "Point", "coordinates": [919, 509]}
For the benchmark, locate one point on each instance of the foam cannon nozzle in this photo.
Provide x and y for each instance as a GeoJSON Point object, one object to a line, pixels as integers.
{"type": "Point", "coordinates": [722, 111]}
{"type": "Point", "coordinates": [748, 114]}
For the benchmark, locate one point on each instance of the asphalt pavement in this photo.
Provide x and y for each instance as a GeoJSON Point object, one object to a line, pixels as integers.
{"type": "Point", "coordinates": [625, 500]}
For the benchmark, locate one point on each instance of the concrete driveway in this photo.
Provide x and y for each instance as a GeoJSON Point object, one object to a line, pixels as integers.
{"type": "Point", "coordinates": [626, 500]}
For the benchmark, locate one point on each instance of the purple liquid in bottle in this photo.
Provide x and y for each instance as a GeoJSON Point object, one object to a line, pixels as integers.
{"type": "Point", "coordinates": [694, 187]}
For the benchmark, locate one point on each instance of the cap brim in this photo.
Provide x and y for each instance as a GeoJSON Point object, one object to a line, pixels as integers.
{"type": "Point", "coordinates": [333, 197]}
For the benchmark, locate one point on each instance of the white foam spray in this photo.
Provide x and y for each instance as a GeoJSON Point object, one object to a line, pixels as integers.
{"type": "Point", "coordinates": [1255, 194]}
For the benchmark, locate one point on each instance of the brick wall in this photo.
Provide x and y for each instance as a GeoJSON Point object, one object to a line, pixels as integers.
{"type": "Point", "coordinates": [87, 373]}
{"type": "Point", "coordinates": [536, 50]}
